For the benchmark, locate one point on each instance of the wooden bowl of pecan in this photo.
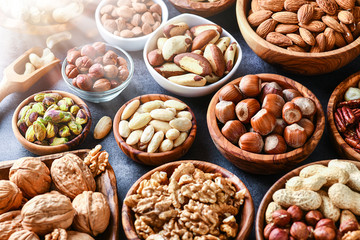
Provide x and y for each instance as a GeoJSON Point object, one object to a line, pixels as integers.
{"type": "Point", "coordinates": [204, 8]}
{"type": "Point", "coordinates": [299, 36]}
{"type": "Point", "coordinates": [343, 118]}
{"type": "Point", "coordinates": [194, 213]}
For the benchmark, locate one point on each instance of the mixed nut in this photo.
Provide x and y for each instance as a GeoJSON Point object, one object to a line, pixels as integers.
{"type": "Point", "coordinates": [155, 126]}
{"type": "Point", "coordinates": [51, 119]}
{"type": "Point", "coordinates": [128, 19]}
{"type": "Point", "coordinates": [193, 56]}
{"type": "Point", "coordinates": [261, 116]}
{"type": "Point", "coordinates": [191, 204]}
{"type": "Point", "coordinates": [306, 26]}
{"type": "Point", "coordinates": [320, 203]}
{"type": "Point", "coordinates": [94, 68]}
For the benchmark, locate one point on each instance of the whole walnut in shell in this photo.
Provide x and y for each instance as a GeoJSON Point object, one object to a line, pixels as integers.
{"type": "Point", "coordinates": [73, 235]}
{"type": "Point", "coordinates": [10, 222]}
{"type": "Point", "coordinates": [71, 176]}
{"type": "Point", "coordinates": [48, 211]}
{"type": "Point", "coordinates": [10, 196]}
{"type": "Point", "coordinates": [31, 175]}
{"type": "Point", "coordinates": [92, 213]}
{"type": "Point", "coordinates": [24, 235]}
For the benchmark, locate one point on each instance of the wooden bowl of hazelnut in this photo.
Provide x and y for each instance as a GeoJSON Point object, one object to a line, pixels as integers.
{"type": "Point", "coordinates": [202, 8]}
{"type": "Point", "coordinates": [240, 220]}
{"type": "Point", "coordinates": [265, 123]}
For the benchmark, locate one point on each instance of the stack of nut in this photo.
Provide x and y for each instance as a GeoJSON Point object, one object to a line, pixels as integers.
{"type": "Point", "coordinates": [193, 57]}
{"type": "Point", "coordinates": [321, 204]}
{"type": "Point", "coordinates": [191, 204]}
{"type": "Point", "coordinates": [93, 68]}
{"type": "Point", "coordinates": [130, 18]}
{"type": "Point", "coordinates": [28, 210]}
{"type": "Point", "coordinates": [155, 126]}
{"type": "Point", "coordinates": [306, 26]}
{"type": "Point", "coordinates": [51, 119]}
{"type": "Point", "coordinates": [262, 117]}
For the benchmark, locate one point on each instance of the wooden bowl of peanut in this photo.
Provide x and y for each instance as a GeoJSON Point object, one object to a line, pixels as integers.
{"type": "Point", "coordinates": [154, 129]}
{"type": "Point", "coordinates": [301, 37]}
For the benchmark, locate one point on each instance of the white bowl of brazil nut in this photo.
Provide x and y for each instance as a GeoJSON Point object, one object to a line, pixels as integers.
{"type": "Point", "coordinates": [128, 44]}
{"type": "Point", "coordinates": [186, 91]}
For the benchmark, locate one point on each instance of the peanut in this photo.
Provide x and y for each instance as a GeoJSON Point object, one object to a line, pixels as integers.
{"type": "Point", "coordinates": [103, 127]}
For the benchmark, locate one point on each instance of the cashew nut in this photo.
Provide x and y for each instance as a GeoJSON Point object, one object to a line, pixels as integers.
{"type": "Point", "coordinates": [29, 68]}
{"type": "Point", "coordinates": [46, 58]}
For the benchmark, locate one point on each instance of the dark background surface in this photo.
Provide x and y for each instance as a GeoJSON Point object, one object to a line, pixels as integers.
{"type": "Point", "coordinates": [14, 43]}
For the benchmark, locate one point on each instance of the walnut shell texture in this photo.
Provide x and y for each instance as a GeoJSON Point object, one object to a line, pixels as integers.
{"type": "Point", "coordinates": [92, 213]}
{"type": "Point", "coordinates": [31, 175]}
{"type": "Point", "coordinates": [10, 222]}
{"type": "Point", "coordinates": [24, 235]}
{"type": "Point", "coordinates": [10, 196]}
{"type": "Point", "coordinates": [48, 211]}
{"type": "Point", "coordinates": [73, 235]}
{"type": "Point", "coordinates": [71, 176]}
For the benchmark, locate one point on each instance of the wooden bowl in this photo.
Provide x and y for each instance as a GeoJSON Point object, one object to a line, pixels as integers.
{"type": "Point", "coordinates": [246, 212]}
{"type": "Point", "coordinates": [105, 183]}
{"type": "Point", "coordinates": [295, 62]}
{"type": "Point", "coordinates": [43, 150]}
{"type": "Point", "coordinates": [153, 159]}
{"type": "Point", "coordinates": [204, 9]}
{"type": "Point", "coordinates": [260, 216]}
{"type": "Point", "coordinates": [337, 96]}
{"type": "Point", "coordinates": [266, 163]}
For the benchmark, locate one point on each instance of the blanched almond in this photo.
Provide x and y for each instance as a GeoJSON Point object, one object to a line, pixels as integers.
{"type": "Point", "coordinates": [139, 121]}
{"type": "Point", "coordinates": [147, 134]}
{"type": "Point", "coordinates": [151, 105]}
{"type": "Point", "coordinates": [155, 142]}
{"type": "Point", "coordinates": [172, 134]}
{"type": "Point", "coordinates": [185, 114]}
{"type": "Point", "coordinates": [162, 114]}
{"type": "Point", "coordinates": [124, 129]}
{"type": "Point", "coordinates": [130, 109]}
{"type": "Point", "coordinates": [182, 124]}
{"type": "Point", "coordinates": [160, 125]}
{"type": "Point", "coordinates": [166, 145]}
{"type": "Point", "coordinates": [175, 104]}
{"type": "Point", "coordinates": [181, 139]}
{"type": "Point", "coordinates": [134, 137]}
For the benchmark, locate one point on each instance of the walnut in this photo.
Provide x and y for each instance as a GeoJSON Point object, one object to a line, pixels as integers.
{"type": "Point", "coordinates": [73, 235]}
{"type": "Point", "coordinates": [155, 237]}
{"type": "Point", "coordinates": [354, 235]}
{"type": "Point", "coordinates": [229, 226]}
{"type": "Point", "coordinates": [31, 175]}
{"type": "Point", "coordinates": [57, 234]}
{"type": "Point", "coordinates": [24, 235]}
{"type": "Point", "coordinates": [71, 176]}
{"type": "Point", "coordinates": [48, 211]}
{"type": "Point", "coordinates": [10, 196]}
{"type": "Point", "coordinates": [97, 160]}
{"type": "Point", "coordinates": [92, 213]}
{"type": "Point", "coordinates": [10, 222]}
{"type": "Point", "coordinates": [142, 229]}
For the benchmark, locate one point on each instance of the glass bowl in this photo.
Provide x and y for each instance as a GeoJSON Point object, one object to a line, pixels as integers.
{"type": "Point", "coordinates": [97, 97]}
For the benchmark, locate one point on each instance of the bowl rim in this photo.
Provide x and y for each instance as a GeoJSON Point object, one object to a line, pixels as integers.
{"type": "Point", "coordinates": [189, 140]}
{"type": "Point", "coordinates": [333, 101]}
{"type": "Point", "coordinates": [107, 92]}
{"type": "Point", "coordinates": [220, 5]}
{"type": "Point", "coordinates": [164, 19]}
{"type": "Point", "coordinates": [280, 183]}
{"type": "Point", "coordinates": [182, 88]}
{"type": "Point", "coordinates": [242, 21]}
{"type": "Point", "coordinates": [57, 148]}
{"type": "Point", "coordinates": [246, 222]}
{"type": "Point", "coordinates": [310, 144]}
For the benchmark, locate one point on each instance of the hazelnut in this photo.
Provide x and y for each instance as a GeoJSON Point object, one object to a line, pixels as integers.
{"type": "Point", "coordinates": [101, 85]}
{"type": "Point", "coordinates": [121, 61]}
{"type": "Point", "coordinates": [74, 83]}
{"type": "Point", "coordinates": [324, 233]}
{"type": "Point", "coordinates": [270, 87]}
{"type": "Point", "coordinates": [251, 142]}
{"type": "Point", "coordinates": [274, 104]}
{"type": "Point", "coordinates": [246, 109]}
{"type": "Point", "coordinates": [225, 111]}
{"type": "Point", "coordinates": [291, 113]}
{"type": "Point", "coordinates": [349, 225]}
{"type": "Point", "coordinates": [311, 232]}
{"type": "Point", "coordinates": [232, 130]}
{"type": "Point", "coordinates": [263, 122]}
{"type": "Point", "coordinates": [110, 71]}
{"type": "Point", "coordinates": [295, 136]}
{"type": "Point", "coordinates": [98, 60]}
{"type": "Point", "coordinates": [99, 47]}
{"type": "Point", "coordinates": [231, 93]}
{"type": "Point", "coordinates": [89, 51]}
{"type": "Point", "coordinates": [280, 125]}
{"type": "Point", "coordinates": [312, 217]}
{"type": "Point", "coordinates": [289, 94]}
{"type": "Point", "coordinates": [281, 217]}
{"type": "Point", "coordinates": [299, 230]}
{"type": "Point", "coordinates": [72, 56]}
{"type": "Point", "coordinates": [279, 234]}
{"type": "Point", "coordinates": [307, 125]}
{"type": "Point", "coordinates": [295, 212]}
{"type": "Point", "coordinates": [268, 229]}
{"type": "Point", "coordinates": [83, 64]}
{"type": "Point", "coordinates": [306, 105]}
{"type": "Point", "coordinates": [325, 222]}
{"type": "Point", "coordinates": [250, 85]}
{"type": "Point", "coordinates": [274, 144]}
{"type": "Point", "coordinates": [84, 82]}
{"type": "Point", "coordinates": [114, 83]}
{"type": "Point", "coordinates": [123, 73]}
{"type": "Point", "coordinates": [96, 71]}
{"type": "Point", "coordinates": [110, 58]}
{"type": "Point", "coordinates": [71, 71]}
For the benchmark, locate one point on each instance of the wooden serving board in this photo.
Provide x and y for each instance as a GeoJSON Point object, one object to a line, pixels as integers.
{"type": "Point", "coordinates": [105, 183]}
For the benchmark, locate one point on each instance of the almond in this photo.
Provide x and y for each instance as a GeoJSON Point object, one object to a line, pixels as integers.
{"type": "Point", "coordinates": [307, 36]}
{"type": "Point", "coordinates": [285, 17]}
{"type": "Point", "coordinates": [278, 39]}
{"type": "Point", "coordinates": [305, 13]}
{"type": "Point", "coordinates": [255, 6]}
{"type": "Point", "coordinates": [318, 13]}
{"type": "Point", "coordinates": [356, 13]}
{"type": "Point", "coordinates": [286, 28]}
{"type": "Point", "coordinates": [293, 5]}
{"type": "Point", "coordinates": [356, 32]}
{"type": "Point", "coordinates": [330, 38]}
{"type": "Point", "coordinates": [273, 5]}
{"type": "Point", "coordinates": [328, 6]}
{"type": "Point", "coordinates": [332, 23]}
{"type": "Point", "coordinates": [315, 49]}
{"type": "Point", "coordinates": [347, 34]}
{"type": "Point", "coordinates": [346, 4]}
{"type": "Point", "coordinates": [297, 39]}
{"type": "Point", "coordinates": [339, 40]}
{"type": "Point", "coordinates": [258, 17]}
{"type": "Point", "coordinates": [321, 41]}
{"type": "Point", "coordinates": [265, 27]}
{"type": "Point", "coordinates": [295, 48]}
{"type": "Point", "coordinates": [346, 17]}
{"type": "Point", "coordinates": [314, 26]}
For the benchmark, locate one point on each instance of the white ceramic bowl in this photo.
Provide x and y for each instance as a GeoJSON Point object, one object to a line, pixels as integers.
{"type": "Point", "coordinates": [128, 44]}
{"type": "Point", "coordinates": [191, 20]}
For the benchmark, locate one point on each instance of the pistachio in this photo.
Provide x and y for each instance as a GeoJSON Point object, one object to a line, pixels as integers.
{"type": "Point", "coordinates": [81, 117]}
{"type": "Point", "coordinates": [64, 131]}
{"type": "Point", "coordinates": [30, 134]}
{"type": "Point", "coordinates": [75, 128]}
{"type": "Point", "coordinates": [39, 97]}
{"type": "Point", "coordinates": [30, 117]}
{"type": "Point", "coordinates": [39, 108]}
{"type": "Point", "coordinates": [57, 116]}
{"type": "Point", "coordinates": [23, 112]}
{"type": "Point", "coordinates": [58, 141]}
{"type": "Point", "coordinates": [51, 130]}
{"type": "Point", "coordinates": [74, 109]}
{"type": "Point", "coordinates": [39, 130]}
{"type": "Point", "coordinates": [22, 126]}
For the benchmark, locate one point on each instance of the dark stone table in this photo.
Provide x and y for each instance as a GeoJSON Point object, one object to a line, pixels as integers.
{"type": "Point", "coordinates": [127, 171]}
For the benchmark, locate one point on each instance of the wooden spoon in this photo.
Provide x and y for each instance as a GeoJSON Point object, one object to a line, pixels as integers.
{"type": "Point", "coordinates": [15, 81]}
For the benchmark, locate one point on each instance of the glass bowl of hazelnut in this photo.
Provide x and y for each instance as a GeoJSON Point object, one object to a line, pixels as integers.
{"type": "Point", "coordinates": [97, 72]}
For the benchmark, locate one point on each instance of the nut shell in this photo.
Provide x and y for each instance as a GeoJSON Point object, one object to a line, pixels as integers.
{"type": "Point", "coordinates": [10, 222]}
{"type": "Point", "coordinates": [250, 85]}
{"type": "Point", "coordinates": [251, 142]}
{"type": "Point", "coordinates": [232, 130]}
{"type": "Point", "coordinates": [24, 235]}
{"type": "Point", "coordinates": [231, 93]}
{"type": "Point", "coordinates": [10, 196]}
{"type": "Point", "coordinates": [263, 122]}
{"type": "Point", "coordinates": [73, 235]}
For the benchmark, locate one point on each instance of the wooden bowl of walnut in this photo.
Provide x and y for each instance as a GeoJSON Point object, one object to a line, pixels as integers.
{"type": "Point", "coordinates": [304, 63]}
{"type": "Point", "coordinates": [244, 217]}
{"type": "Point", "coordinates": [202, 8]}
{"type": "Point", "coordinates": [266, 163]}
